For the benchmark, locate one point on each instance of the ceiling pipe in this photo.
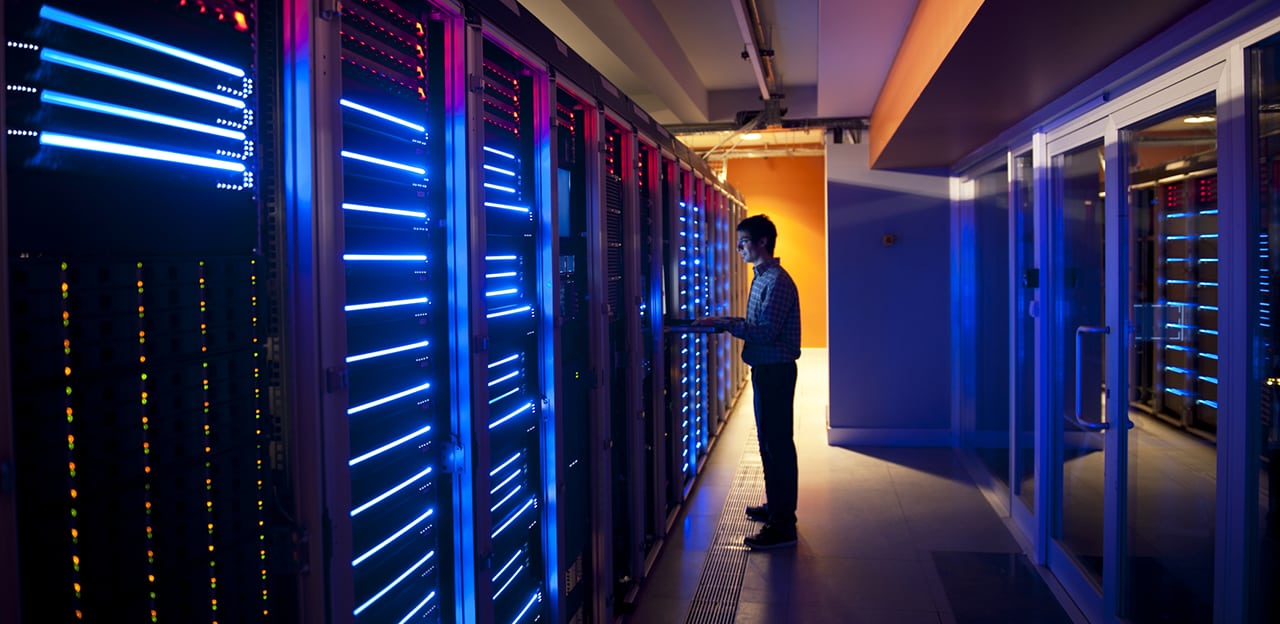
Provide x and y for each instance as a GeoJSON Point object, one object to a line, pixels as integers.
{"type": "Point", "coordinates": [764, 47]}
{"type": "Point", "coordinates": [844, 123]}
{"type": "Point", "coordinates": [752, 52]}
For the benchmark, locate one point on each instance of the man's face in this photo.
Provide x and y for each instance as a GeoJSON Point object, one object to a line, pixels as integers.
{"type": "Point", "coordinates": [751, 251]}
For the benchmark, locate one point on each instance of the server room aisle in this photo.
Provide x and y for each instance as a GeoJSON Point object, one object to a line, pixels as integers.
{"type": "Point", "coordinates": [886, 535]}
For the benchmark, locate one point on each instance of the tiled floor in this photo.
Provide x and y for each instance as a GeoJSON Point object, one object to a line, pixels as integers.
{"type": "Point", "coordinates": [886, 535]}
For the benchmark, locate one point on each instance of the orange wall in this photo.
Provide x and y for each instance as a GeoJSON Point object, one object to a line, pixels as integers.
{"type": "Point", "coordinates": [792, 192]}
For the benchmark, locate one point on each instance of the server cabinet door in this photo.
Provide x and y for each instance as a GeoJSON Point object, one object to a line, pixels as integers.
{"type": "Point", "coordinates": [399, 531]}
{"type": "Point", "coordinates": [578, 433]}
{"type": "Point", "coordinates": [140, 191]}
{"type": "Point", "coordinates": [510, 316]}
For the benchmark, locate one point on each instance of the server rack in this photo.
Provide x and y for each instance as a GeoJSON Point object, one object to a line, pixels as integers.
{"type": "Point", "coordinates": [579, 486]}
{"type": "Point", "coordinates": [625, 439]}
{"type": "Point", "coordinates": [717, 292]}
{"type": "Point", "coordinates": [684, 359]}
{"type": "Point", "coordinates": [703, 357]}
{"type": "Point", "coordinates": [738, 294]}
{"type": "Point", "coordinates": [399, 530]}
{"type": "Point", "coordinates": [369, 449]}
{"type": "Point", "coordinates": [140, 193]}
{"type": "Point", "coordinates": [650, 193]}
{"type": "Point", "coordinates": [511, 239]}
{"type": "Point", "coordinates": [1176, 378]}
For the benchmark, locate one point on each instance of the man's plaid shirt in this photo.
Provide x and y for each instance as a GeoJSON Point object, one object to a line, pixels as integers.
{"type": "Point", "coordinates": [771, 331]}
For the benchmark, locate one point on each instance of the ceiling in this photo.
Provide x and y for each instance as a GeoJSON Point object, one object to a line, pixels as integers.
{"type": "Point", "coordinates": [682, 62]}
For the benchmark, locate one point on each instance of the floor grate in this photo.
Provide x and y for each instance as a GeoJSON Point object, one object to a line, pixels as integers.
{"type": "Point", "coordinates": [716, 599]}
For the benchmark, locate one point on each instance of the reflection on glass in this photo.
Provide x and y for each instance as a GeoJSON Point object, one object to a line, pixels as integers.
{"type": "Point", "coordinates": [1173, 363]}
{"type": "Point", "coordinates": [1080, 252]}
{"type": "Point", "coordinates": [1025, 288]}
{"type": "Point", "coordinates": [1264, 371]}
{"type": "Point", "coordinates": [990, 437]}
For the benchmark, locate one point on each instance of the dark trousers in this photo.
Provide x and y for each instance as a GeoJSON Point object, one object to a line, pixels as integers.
{"type": "Point", "coordinates": [774, 387]}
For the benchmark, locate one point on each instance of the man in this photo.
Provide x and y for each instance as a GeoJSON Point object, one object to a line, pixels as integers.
{"type": "Point", "coordinates": [771, 345]}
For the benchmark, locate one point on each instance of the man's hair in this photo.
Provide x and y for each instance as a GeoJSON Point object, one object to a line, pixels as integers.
{"type": "Point", "coordinates": [758, 227]}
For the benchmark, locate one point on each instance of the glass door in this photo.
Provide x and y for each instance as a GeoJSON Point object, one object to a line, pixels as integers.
{"type": "Point", "coordinates": [1077, 357]}
{"type": "Point", "coordinates": [1131, 361]}
{"type": "Point", "coordinates": [1171, 161]}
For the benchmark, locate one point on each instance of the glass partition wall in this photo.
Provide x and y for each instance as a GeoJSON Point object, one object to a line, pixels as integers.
{"type": "Point", "coordinates": [1134, 388]}
{"type": "Point", "coordinates": [1263, 396]}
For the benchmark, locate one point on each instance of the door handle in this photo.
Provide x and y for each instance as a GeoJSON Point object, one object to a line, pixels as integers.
{"type": "Point", "coordinates": [1078, 417]}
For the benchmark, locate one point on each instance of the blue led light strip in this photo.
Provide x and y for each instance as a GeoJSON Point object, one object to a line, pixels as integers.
{"type": "Point", "coordinates": [499, 380]}
{"type": "Point", "coordinates": [381, 115]}
{"type": "Point", "coordinates": [390, 351]}
{"type": "Point", "coordinates": [506, 360]}
{"type": "Point", "coordinates": [494, 489]}
{"type": "Point", "coordinates": [404, 529]}
{"type": "Point", "coordinates": [504, 464]}
{"type": "Point", "coordinates": [383, 162]}
{"type": "Point", "coordinates": [514, 576]}
{"type": "Point", "coordinates": [390, 445]}
{"type": "Point", "coordinates": [75, 21]}
{"type": "Point", "coordinates": [509, 312]}
{"type": "Point", "coordinates": [384, 304]}
{"type": "Point", "coordinates": [514, 491]}
{"type": "Point", "coordinates": [383, 496]}
{"type": "Point", "coordinates": [510, 207]}
{"type": "Point", "coordinates": [499, 152]}
{"type": "Point", "coordinates": [503, 396]}
{"type": "Point", "coordinates": [388, 399]}
{"type": "Point", "coordinates": [79, 62]}
{"type": "Point", "coordinates": [513, 517]}
{"type": "Point", "coordinates": [388, 211]}
{"type": "Point", "coordinates": [527, 407]}
{"type": "Point", "coordinates": [408, 616]}
{"type": "Point", "coordinates": [121, 149]}
{"type": "Point", "coordinates": [399, 579]}
{"type": "Point", "coordinates": [71, 101]}
{"type": "Point", "coordinates": [384, 257]}
{"type": "Point", "coordinates": [536, 597]}
{"type": "Point", "coordinates": [505, 172]}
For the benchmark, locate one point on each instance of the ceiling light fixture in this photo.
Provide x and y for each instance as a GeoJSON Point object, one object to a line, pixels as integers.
{"type": "Point", "coordinates": [751, 136]}
{"type": "Point", "coordinates": [1199, 119]}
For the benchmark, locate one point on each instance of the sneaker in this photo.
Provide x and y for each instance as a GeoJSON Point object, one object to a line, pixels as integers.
{"type": "Point", "coordinates": [770, 537]}
{"type": "Point", "coordinates": [759, 513]}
